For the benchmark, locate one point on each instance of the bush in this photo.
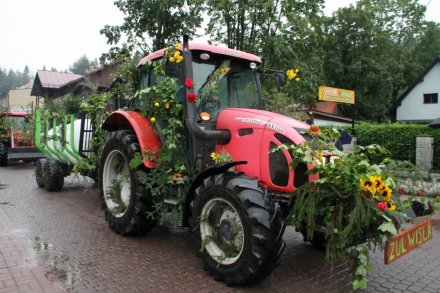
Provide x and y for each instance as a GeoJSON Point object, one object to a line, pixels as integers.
{"type": "Point", "coordinates": [398, 138]}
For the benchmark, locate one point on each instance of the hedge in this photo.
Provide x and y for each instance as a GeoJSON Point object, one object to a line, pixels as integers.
{"type": "Point", "coordinates": [399, 139]}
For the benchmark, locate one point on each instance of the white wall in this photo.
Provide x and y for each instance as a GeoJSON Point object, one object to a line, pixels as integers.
{"type": "Point", "coordinates": [319, 122]}
{"type": "Point", "coordinates": [412, 107]}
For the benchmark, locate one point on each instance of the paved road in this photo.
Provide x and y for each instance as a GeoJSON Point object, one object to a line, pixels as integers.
{"type": "Point", "coordinates": [71, 241]}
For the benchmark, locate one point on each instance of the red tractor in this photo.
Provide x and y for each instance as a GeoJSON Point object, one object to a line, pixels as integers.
{"type": "Point", "coordinates": [236, 215]}
{"type": "Point", "coordinates": [15, 143]}
{"type": "Point", "coordinates": [236, 209]}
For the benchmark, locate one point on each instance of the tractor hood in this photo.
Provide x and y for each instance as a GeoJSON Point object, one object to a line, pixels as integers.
{"type": "Point", "coordinates": [238, 118]}
{"type": "Point", "coordinates": [254, 134]}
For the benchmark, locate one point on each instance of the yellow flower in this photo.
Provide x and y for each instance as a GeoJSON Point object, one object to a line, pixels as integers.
{"type": "Point", "coordinates": [177, 175]}
{"type": "Point", "coordinates": [157, 105]}
{"type": "Point", "coordinates": [171, 59]}
{"type": "Point", "coordinates": [152, 120]}
{"type": "Point", "coordinates": [213, 156]}
{"type": "Point", "coordinates": [296, 70]}
{"type": "Point", "coordinates": [223, 70]}
{"type": "Point", "coordinates": [176, 55]}
{"type": "Point", "coordinates": [392, 208]}
{"type": "Point", "coordinates": [177, 46]}
{"type": "Point", "coordinates": [179, 59]}
{"type": "Point", "coordinates": [167, 105]}
{"type": "Point", "coordinates": [290, 74]}
{"type": "Point", "coordinates": [297, 79]}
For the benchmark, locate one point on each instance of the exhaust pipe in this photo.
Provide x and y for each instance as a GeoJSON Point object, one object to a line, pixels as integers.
{"type": "Point", "coordinates": [220, 136]}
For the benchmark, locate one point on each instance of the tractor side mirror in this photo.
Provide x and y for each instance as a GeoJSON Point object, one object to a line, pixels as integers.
{"type": "Point", "coordinates": [281, 80]}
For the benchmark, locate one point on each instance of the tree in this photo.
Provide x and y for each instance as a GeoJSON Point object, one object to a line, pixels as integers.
{"type": "Point", "coordinates": [82, 65]}
{"type": "Point", "coordinates": [370, 49]}
{"type": "Point", "coordinates": [13, 79]}
{"type": "Point", "coordinates": [428, 45]}
{"type": "Point", "coordinates": [151, 25]}
{"type": "Point", "coordinates": [284, 32]}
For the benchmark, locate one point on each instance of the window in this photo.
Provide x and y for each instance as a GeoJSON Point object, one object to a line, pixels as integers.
{"type": "Point", "coordinates": [430, 98]}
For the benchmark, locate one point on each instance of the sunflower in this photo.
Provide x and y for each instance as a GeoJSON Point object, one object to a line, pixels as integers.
{"type": "Point", "coordinates": [386, 194]}
{"type": "Point", "coordinates": [368, 185]}
{"type": "Point", "coordinates": [314, 130]}
{"type": "Point", "coordinates": [379, 184]}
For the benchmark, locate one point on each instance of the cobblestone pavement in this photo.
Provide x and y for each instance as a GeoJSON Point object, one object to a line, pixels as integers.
{"type": "Point", "coordinates": [64, 241]}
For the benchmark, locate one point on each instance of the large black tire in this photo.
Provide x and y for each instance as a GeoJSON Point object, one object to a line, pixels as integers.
{"type": "Point", "coordinates": [3, 155]}
{"type": "Point", "coordinates": [237, 230]}
{"type": "Point", "coordinates": [54, 172]}
{"type": "Point", "coordinates": [126, 204]}
{"type": "Point", "coordinates": [40, 174]}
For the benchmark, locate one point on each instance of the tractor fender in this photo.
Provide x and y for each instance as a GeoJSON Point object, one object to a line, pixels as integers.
{"type": "Point", "coordinates": [129, 120]}
{"type": "Point", "coordinates": [210, 171]}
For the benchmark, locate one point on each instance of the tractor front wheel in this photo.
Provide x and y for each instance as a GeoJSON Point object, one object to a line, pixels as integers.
{"type": "Point", "coordinates": [125, 200]}
{"type": "Point", "coordinates": [237, 230]}
{"type": "Point", "coordinates": [3, 154]}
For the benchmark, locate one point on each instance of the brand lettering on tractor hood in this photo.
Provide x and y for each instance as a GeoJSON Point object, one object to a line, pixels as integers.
{"type": "Point", "coordinates": [252, 120]}
{"type": "Point", "coordinates": [262, 122]}
{"type": "Point", "coordinates": [275, 127]}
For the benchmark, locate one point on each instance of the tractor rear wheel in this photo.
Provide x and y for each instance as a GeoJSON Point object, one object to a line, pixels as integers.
{"type": "Point", "coordinates": [3, 154]}
{"type": "Point", "coordinates": [54, 173]}
{"type": "Point", "coordinates": [238, 232]}
{"type": "Point", "coordinates": [40, 174]}
{"type": "Point", "coordinates": [125, 199]}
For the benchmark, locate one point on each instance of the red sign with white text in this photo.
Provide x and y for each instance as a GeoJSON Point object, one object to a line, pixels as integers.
{"type": "Point", "coordinates": [403, 243]}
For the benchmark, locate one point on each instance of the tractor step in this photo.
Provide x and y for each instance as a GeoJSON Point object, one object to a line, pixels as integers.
{"type": "Point", "coordinates": [172, 201]}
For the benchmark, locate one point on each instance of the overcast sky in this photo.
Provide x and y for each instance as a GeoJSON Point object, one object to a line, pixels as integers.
{"type": "Point", "coordinates": [55, 33]}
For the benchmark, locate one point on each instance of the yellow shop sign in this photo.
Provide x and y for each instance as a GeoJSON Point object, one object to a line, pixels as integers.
{"type": "Point", "coordinates": [336, 95]}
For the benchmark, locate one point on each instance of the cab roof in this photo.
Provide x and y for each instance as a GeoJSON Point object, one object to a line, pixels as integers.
{"type": "Point", "coordinates": [22, 114]}
{"type": "Point", "coordinates": [219, 50]}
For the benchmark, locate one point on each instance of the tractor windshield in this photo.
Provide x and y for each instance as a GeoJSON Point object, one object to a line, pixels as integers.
{"type": "Point", "coordinates": [19, 123]}
{"type": "Point", "coordinates": [224, 84]}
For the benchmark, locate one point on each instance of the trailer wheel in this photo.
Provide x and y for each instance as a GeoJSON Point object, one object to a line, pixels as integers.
{"type": "Point", "coordinates": [3, 154]}
{"type": "Point", "coordinates": [54, 172]}
{"type": "Point", "coordinates": [237, 231]}
{"type": "Point", "coordinates": [125, 199]}
{"type": "Point", "coordinates": [40, 174]}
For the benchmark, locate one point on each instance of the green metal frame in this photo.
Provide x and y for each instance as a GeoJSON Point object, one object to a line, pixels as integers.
{"type": "Point", "coordinates": [53, 150]}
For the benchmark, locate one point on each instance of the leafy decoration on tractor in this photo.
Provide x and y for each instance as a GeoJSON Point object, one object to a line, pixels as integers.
{"type": "Point", "coordinates": [159, 103]}
{"type": "Point", "coordinates": [353, 199]}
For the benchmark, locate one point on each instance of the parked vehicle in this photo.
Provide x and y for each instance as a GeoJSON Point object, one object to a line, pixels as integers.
{"type": "Point", "coordinates": [236, 209]}
{"type": "Point", "coordinates": [15, 143]}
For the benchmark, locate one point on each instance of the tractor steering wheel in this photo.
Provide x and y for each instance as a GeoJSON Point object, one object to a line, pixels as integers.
{"type": "Point", "coordinates": [212, 105]}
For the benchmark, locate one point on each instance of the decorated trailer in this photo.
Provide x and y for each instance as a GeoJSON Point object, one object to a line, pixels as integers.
{"type": "Point", "coordinates": [15, 142]}
{"type": "Point", "coordinates": [195, 140]}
